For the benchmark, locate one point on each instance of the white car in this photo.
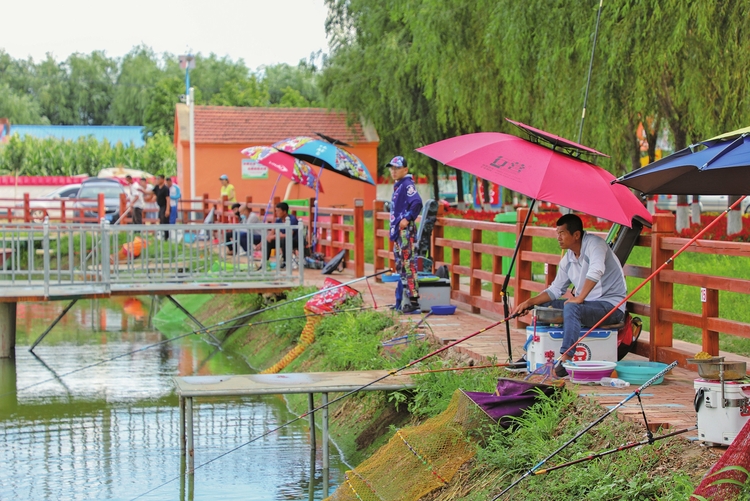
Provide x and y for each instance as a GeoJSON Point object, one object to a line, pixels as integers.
{"type": "Point", "coordinates": [708, 203]}
{"type": "Point", "coordinates": [49, 204]}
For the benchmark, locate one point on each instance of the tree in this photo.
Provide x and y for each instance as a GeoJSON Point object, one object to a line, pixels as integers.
{"type": "Point", "coordinates": [19, 109]}
{"type": "Point", "coordinates": [91, 86]}
{"type": "Point", "coordinates": [241, 92]}
{"type": "Point", "coordinates": [159, 113]}
{"type": "Point", "coordinates": [302, 79]}
{"type": "Point", "coordinates": [138, 74]}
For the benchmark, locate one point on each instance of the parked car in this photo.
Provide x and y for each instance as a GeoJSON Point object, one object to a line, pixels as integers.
{"type": "Point", "coordinates": [49, 204]}
{"type": "Point", "coordinates": [708, 203]}
{"type": "Point", "coordinates": [90, 189]}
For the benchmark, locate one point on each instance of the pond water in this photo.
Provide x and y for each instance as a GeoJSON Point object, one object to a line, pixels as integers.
{"type": "Point", "coordinates": [112, 431]}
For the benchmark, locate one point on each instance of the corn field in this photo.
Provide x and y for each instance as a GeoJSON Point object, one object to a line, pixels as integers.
{"type": "Point", "coordinates": [30, 156]}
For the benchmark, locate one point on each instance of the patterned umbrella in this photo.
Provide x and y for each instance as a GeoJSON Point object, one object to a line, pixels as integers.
{"type": "Point", "coordinates": [286, 165]}
{"type": "Point", "coordinates": [326, 155]}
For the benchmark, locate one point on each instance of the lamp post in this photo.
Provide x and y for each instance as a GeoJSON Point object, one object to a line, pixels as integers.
{"type": "Point", "coordinates": [187, 62]}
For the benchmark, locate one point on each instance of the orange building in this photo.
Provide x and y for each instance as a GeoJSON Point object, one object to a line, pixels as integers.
{"type": "Point", "coordinates": [221, 132]}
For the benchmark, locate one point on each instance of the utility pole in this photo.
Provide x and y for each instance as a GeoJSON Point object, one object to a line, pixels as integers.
{"type": "Point", "coordinates": [191, 107]}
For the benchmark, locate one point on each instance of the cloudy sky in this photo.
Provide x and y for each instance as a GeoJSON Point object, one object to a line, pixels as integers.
{"type": "Point", "coordinates": [261, 32]}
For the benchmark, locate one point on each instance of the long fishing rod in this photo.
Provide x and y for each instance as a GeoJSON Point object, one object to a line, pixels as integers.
{"type": "Point", "coordinates": [197, 331]}
{"type": "Point", "coordinates": [578, 435]}
{"type": "Point", "coordinates": [623, 447]}
{"type": "Point", "coordinates": [331, 402]}
{"type": "Point", "coordinates": [656, 272]}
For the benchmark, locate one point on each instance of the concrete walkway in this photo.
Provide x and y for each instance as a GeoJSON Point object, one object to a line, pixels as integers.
{"type": "Point", "coordinates": [668, 405]}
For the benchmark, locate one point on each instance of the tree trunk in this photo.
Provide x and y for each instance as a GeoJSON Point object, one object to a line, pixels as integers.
{"type": "Point", "coordinates": [486, 192]}
{"type": "Point", "coordinates": [695, 210]}
{"type": "Point", "coordinates": [435, 184]}
{"type": "Point", "coordinates": [460, 189]}
{"type": "Point", "coordinates": [734, 218]}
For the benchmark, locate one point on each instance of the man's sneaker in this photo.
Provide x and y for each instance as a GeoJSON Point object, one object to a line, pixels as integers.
{"type": "Point", "coordinates": [560, 371]}
{"type": "Point", "coordinates": [395, 307]}
{"type": "Point", "coordinates": [411, 309]}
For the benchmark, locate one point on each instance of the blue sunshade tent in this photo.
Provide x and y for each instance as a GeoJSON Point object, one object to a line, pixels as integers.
{"type": "Point", "coordinates": [717, 166]}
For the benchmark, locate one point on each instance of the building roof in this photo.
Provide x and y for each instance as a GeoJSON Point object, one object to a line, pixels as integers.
{"type": "Point", "coordinates": [112, 133]}
{"type": "Point", "coordinates": [225, 124]}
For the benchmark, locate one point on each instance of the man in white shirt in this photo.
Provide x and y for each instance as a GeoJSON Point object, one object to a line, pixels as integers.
{"type": "Point", "coordinates": [598, 284]}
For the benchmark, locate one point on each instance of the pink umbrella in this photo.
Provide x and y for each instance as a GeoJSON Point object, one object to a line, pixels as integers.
{"type": "Point", "coordinates": [540, 173]}
{"type": "Point", "coordinates": [285, 164]}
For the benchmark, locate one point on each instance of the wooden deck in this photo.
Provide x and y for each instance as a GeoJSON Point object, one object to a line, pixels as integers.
{"type": "Point", "coordinates": [667, 405]}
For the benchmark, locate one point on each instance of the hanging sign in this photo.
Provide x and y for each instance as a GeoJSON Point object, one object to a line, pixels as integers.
{"type": "Point", "coordinates": [253, 170]}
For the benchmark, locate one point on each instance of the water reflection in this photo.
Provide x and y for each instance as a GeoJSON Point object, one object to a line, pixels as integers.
{"type": "Point", "coordinates": [112, 431]}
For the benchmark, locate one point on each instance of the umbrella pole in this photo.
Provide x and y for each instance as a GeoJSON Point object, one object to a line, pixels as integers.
{"type": "Point", "coordinates": [270, 200]}
{"type": "Point", "coordinates": [314, 239]}
{"type": "Point", "coordinates": [506, 282]}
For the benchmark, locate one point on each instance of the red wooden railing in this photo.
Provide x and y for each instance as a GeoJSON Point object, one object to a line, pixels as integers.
{"type": "Point", "coordinates": [660, 309]}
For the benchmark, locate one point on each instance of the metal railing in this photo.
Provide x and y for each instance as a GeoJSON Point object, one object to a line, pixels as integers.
{"type": "Point", "coordinates": [102, 255]}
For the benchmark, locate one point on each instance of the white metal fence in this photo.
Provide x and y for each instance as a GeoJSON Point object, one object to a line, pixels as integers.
{"type": "Point", "coordinates": [101, 255]}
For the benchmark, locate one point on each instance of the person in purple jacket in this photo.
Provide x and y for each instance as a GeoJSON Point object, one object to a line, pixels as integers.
{"type": "Point", "coordinates": [406, 205]}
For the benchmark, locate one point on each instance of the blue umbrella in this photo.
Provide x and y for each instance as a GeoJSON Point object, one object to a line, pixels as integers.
{"type": "Point", "coordinates": [326, 155]}
{"type": "Point", "coordinates": [716, 166]}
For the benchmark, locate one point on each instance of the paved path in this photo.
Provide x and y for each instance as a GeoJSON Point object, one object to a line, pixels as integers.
{"type": "Point", "coordinates": [667, 405]}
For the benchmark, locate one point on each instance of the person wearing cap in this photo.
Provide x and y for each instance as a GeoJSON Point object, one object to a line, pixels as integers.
{"type": "Point", "coordinates": [227, 189]}
{"type": "Point", "coordinates": [406, 204]}
{"type": "Point", "coordinates": [174, 199]}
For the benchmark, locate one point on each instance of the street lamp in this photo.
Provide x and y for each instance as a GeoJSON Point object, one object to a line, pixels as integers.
{"type": "Point", "coordinates": [187, 62]}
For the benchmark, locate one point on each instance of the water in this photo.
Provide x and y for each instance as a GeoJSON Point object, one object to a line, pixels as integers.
{"type": "Point", "coordinates": [112, 431]}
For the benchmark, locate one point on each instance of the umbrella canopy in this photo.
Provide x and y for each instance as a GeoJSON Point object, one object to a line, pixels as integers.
{"type": "Point", "coordinates": [286, 165]}
{"type": "Point", "coordinates": [540, 173]}
{"type": "Point", "coordinates": [121, 172]}
{"type": "Point", "coordinates": [326, 155]}
{"type": "Point", "coordinates": [717, 166]}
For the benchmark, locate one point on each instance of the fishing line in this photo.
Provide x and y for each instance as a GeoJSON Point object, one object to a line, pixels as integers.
{"type": "Point", "coordinates": [331, 402]}
{"type": "Point", "coordinates": [197, 331]}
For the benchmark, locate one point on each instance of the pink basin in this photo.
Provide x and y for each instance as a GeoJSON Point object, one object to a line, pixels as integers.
{"type": "Point", "coordinates": [591, 371]}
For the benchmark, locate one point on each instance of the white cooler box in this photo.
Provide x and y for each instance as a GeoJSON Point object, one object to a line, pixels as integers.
{"type": "Point", "coordinates": [599, 345]}
{"type": "Point", "coordinates": [716, 423]}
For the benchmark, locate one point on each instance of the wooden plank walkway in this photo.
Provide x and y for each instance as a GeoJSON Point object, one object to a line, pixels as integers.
{"type": "Point", "coordinates": [667, 405]}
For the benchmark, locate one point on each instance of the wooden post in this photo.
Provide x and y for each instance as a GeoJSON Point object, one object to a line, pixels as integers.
{"type": "Point", "coordinates": [224, 212]}
{"type": "Point", "coordinates": [710, 305]}
{"type": "Point", "coordinates": [661, 292]}
{"type": "Point", "coordinates": [359, 237]}
{"type": "Point", "coordinates": [101, 208]}
{"type": "Point", "coordinates": [475, 284]}
{"type": "Point", "coordinates": [378, 242]}
{"type": "Point", "coordinates": [26, 208]}
{"type": "Point", "coordinates": [7, 330]}
{"type": "Point", "coordinates": [523, 268]}
{"type": "Point", "coordinates": [455, 261]}
{"type": "Point", "coordinates": [206, 207]}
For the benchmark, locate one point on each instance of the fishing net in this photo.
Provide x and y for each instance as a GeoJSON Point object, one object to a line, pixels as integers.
{"type": "Point", "coordinates": [420, 459]}
{"type": "Point", "coordinates": [723, 483]}
{"type": "Point", "coordinates": [322, 303]}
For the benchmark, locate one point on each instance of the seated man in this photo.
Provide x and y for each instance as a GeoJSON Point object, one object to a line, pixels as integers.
{"type": "Point", "coordinates": [247, 216]}
{"type": "Point", "coordinates": [281, 212]}
{"type": "Point", "coordinates": [596, 275]}
{"type": "Point", "coordinates": [229, 235]}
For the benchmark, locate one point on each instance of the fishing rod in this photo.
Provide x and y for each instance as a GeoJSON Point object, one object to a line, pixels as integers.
{"type": "Point", "coordinates": [197, 331]}
{"type": "Point", "coordinates": [656, 272]}
{"type": "Point", "coordinates": [578, 435]}
{"type": "Point", "coordinates": [623, 447]}
{"type": "Point", "coordinates": [464, 368]}
{"type": "Point", "coordinates": [331, 402]}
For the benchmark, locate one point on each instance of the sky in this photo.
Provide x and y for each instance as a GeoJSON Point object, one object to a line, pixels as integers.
{"type": "Point", "coordinates": [262, 32]}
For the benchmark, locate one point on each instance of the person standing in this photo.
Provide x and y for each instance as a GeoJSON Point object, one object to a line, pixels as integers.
{"type": "Point", "coordinates": [161, 192]}
{"type": "Point", "coordinates": [132, 191]}
{"type": "Point", "coordinates": [227, 189]}
{"type": "Point", "coordinates": [406, 204]}
{"type": "Point", "coordinates": [174, 199]}
{"type": "Point", "coordinates": [137, 201]}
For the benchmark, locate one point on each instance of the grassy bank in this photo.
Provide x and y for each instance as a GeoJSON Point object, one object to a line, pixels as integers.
{"type": "Point", "coordinates": [362, 423]}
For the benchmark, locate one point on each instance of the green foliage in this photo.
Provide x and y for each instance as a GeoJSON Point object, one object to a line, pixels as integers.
{"type": "Point", "coordinates": [550, 423]}
{"type": "Point", "coordinates": [31, 156]}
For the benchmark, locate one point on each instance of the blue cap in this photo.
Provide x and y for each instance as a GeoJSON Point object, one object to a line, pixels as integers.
{"type": "Point", "coordinates": [223, 177]}
{"type": "Point", "coordinates": [398, 161]}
